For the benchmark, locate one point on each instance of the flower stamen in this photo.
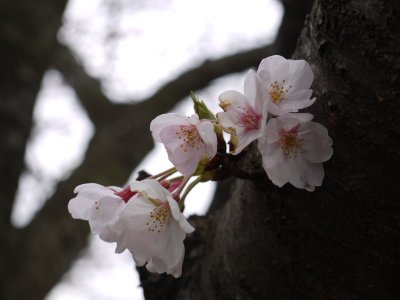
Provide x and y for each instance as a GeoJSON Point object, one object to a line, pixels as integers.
{"type": "Point", "coordinates": [248, 119]}
{"type": "Point", "coordinates": [159, 218]}
{"type": "Point", "coordinates": [190, 137]}
{"type": "Point", "coordinates": [277, 91]}
{"type": "Point", "coordinates": [290, 143]}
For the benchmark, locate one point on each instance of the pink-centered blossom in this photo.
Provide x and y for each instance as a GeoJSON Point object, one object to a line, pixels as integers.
{"type": "Point", "coordinates": [293, 150]}
{"type": "Point", "coordinates": [287, 83]}
{"type": "Point", "coordinates": [187, 140]}
{"type": "Point", "coordinates": [100, 206]}
{"type": "Point", "coordinates": [244, 114]}
{"type": "Point", "coordinates": [153, 228]}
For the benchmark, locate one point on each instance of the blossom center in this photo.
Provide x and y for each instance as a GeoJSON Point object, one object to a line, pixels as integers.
{"type": "Point", "coordinates": [248, 119]}
{"type": "Point", "coordinates": [278, 90]}
{"type": "Point", "coordinates": [190, 137]}
{"type": "Point", "coordinates": [159, 218]}
{"type": "Point", "coordinates": [290, 143]}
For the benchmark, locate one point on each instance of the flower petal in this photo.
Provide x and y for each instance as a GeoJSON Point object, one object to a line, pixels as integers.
{"type": "Point", "coordinates": [301, 74]}
{"type": "Point", "coordinates": [273, 68]}
{"type": "Point", "coordinates": [254, 92]}
{"type": "Point", "coordinates": [165, 120]}
{"type": "Point", "coordinates": [317, 145]}
{"type": "Point", "coordinates": [208, 136]}
{"type": "Point", "coordinates": [151, 187]}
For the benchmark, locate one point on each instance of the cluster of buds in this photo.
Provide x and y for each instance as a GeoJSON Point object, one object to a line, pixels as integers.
{"type": "Point", "coordinates": [147, 216]}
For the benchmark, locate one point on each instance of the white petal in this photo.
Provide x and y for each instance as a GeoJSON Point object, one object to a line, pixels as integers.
{"type": "Point", "coordinates": [108, 235]}
{"type": "Point", "coordinates": [314, 175]}
{"type": "Point", "coordinates": [272, 130]}
{"type": "Point", "coordinates": [317, 145]}
{"type": "Point", "coordinates": [95, 202]}
{"type": "Point", "coordinates": [255, 92]}
{"type": "Point", "coordinates": [165, 120]}
{"type": "Point", "coordinates": [194, 119]}
{"type": "Point", "coordinates": [108, 209]}
{"type": "Point", "coordinates": [94, 191]}
{"type": "Point", "coordinates": [232, 96]}
{"type": "Point", "coordinates": [175, 248]}
{"type": "Point", "coordinates": [88, 186]}
{"type": "Point", "coordinates": [297, 100]}
{"type": "Point", "coordinates": [136, 236]}
{"type": "Point", "coordinates": [273, 68]}
{"type": "Point", "coordinates": [296, 95]}
{"type": "Point", "coordinates": [276, 110]}
{"type": "Point", "coordinates": [186, 162]}
{"type": "Point", "coordinates": [177, 270]}
{"type": "Point", "coordinates": [279, 174]}
{"type": "Point", "coordinates": [245, 138]}
{"type": "Point", "coordinates": [184, 157]}
{"type": "Point", "coordinates": [178, 216]}
{"type": "Point", "coordinates": [185, 225]}
{"type": "Point", "coordinates": [227, 120]}
{"type": "Point", "coordinates": [151, 187]}
{"type": "Point", "coordinates": [208, 136]}
{"type": "Point", "coordinates": [306, 174]}
{"type": "Point", "coordinates": [271, 155]}
{"type": "Point", "coordinates": [139, 261]}
{"type": "Point", "coordinates": [82, 208]}
{"type": "Point", "coordinates": [301, 117]}
{"type": "Point", "coordinates": [175, 211]}
{"type": "Point", "coordinates": [300, 74]}
{"type": "Point", "coordinates": [156, 265]}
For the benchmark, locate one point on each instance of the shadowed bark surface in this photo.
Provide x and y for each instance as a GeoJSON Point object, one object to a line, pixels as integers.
{"type": "Point", "coordinates": [341, 241]}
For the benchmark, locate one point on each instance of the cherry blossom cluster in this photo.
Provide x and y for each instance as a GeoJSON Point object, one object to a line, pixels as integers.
{"type": "Point", "coordinates": [146, 217]}
{"type": "Point", "coordinates": [291, 145]}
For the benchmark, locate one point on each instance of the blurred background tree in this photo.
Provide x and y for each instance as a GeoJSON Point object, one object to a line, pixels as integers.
{"type": "Point", "coordinates": [340, 242]}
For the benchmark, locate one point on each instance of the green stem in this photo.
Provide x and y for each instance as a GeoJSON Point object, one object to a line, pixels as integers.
{"type": "Point", "coordinates": [175, 178]}
{"type": "Point", "coordinates": [163, 174]}
{"type": "Point", "coordinates": [180, 188]}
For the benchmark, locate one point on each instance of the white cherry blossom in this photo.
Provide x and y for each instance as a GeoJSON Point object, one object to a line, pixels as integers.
{"type": "Point", "coordinates": [243, 114]}
{"type": "Point", "coordinates": [153, 228]}
{"type": "Point", "coordinates": [187, 140]}
{"type": "Point", "coordinates": [287, 82]}
{"type": "Point", "coordinates": [100, 206]}
{"type": "Point", "coordinates": [293, 150]}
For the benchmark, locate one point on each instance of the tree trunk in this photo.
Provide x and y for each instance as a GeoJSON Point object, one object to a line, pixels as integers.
{"type": "Point", "coordinates": [27, 34]}
{"type": "Point", "coordinates": [341, 241]}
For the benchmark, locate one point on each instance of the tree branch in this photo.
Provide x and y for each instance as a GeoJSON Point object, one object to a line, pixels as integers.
{"type": "Point", "coordinates": [98, 105]}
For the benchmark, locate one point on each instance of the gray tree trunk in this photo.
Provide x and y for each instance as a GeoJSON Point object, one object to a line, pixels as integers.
{"type": "Point", "coordinates": [343, 240]}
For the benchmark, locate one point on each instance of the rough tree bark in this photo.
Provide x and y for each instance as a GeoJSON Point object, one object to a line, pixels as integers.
{"type": "Point", "coordinates": [341, 241]}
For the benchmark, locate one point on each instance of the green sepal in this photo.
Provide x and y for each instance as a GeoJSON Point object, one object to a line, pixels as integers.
{"type": "Point", "coordinates": [201, 166]}
{"type": "Point", "coordinates": [207, 176]}
{"type": "Point", "coordinates": [201, 108]}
